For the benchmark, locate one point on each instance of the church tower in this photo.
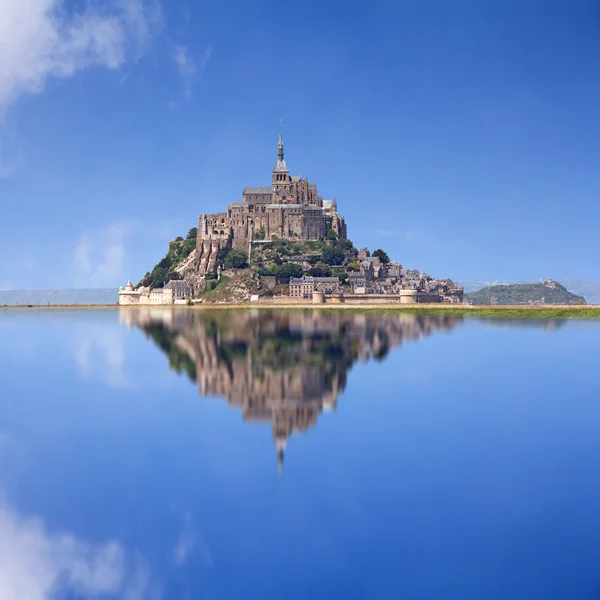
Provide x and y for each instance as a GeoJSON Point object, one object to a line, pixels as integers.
{"type": "Point", "coordinates": [281, 179]}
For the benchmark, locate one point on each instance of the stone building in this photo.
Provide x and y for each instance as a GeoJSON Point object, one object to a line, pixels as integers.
{"type": "Point", "coordinates": [303, 287]}
{"type": "Point", "coordinates": [290, 208]}
{"type": "Point", "coordinates": [174, 292]}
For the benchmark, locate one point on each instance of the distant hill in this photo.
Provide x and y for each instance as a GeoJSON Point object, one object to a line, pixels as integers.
{"type": "Point", "coordinates": [546, 292]}
{"type": "Point", "coordinates": [590, 290]}
{"type": "Point", "coordinates": [53, 297]}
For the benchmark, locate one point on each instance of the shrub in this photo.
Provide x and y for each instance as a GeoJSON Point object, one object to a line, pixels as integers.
{"type": "Point", "coordinates": [236, 259]}
{"type": "Point", "coordinates": [383, 257]}
{"type": "Point", "coordinates": [192, 233]}
{"type": "Point", "coordinates": [333, 256]}
{"type": "Point", "coordinates": [289, 270]}
{"type": "Point", "coordinates": [320, 270]}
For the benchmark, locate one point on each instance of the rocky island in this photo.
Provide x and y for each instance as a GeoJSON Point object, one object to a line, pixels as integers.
{"type": "Point", "coordinates": [543, 293]}
{"type": "Point", "coordinates": [283, 243]}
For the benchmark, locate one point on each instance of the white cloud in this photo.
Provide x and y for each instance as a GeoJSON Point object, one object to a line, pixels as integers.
{"type": "Point", "coordinates": [41, 39]}
{"type": "Point", "coordinates": [99, 256]}
{"type": "Point", "coordinates": [38, 565]}
{"type": "Point", "coordinates": [189, 68]}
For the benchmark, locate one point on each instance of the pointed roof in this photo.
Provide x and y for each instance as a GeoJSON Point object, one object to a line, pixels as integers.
{"type": "Point", "coordinates": [280, 166]}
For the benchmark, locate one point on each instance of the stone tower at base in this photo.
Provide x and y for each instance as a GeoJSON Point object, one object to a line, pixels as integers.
{"type": "Point", "coordinates": [290, 209]}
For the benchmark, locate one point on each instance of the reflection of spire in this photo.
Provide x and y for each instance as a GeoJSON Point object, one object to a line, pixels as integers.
{"type": "Point", "coordinates": [280, 457]}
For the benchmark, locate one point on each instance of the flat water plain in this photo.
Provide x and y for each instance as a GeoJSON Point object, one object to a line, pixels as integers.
{"type": "Point", "coordinates": [160, 454]}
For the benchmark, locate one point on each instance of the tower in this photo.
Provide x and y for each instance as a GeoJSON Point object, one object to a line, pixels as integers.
{"type": "Point", "coordinates": [281, 176]}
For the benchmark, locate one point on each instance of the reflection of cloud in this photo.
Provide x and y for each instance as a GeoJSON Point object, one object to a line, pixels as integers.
{"type": "Point", "coordinates": [100, 355]}
{"type": "Point", "coordinates": [38, 565]}
{"type": "Point", "coordinates": [191, 542]}
{"type": "Point", "coordinates": [185, 544]}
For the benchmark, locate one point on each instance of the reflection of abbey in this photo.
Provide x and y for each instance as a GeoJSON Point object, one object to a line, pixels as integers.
{"type": "Point", "coordinates": [290, 208]}
{"type": "Point", "coordinates": [284, 367]}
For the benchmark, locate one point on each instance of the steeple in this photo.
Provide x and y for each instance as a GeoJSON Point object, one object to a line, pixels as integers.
{"type": "Point", "coordinates": [280, 166]}
{"type": "Point", "coordinates": [280, 145]}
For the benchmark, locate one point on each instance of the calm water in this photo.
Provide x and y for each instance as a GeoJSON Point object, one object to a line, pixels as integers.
{"type": "Point", "coordinates": [178, 455]}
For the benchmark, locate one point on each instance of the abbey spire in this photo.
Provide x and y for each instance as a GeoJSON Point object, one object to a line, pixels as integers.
{"type": "Point", "coordinates": [280, 166]}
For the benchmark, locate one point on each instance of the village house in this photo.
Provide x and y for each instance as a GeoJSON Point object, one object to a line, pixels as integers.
{"type": "Point", "coordinates": [174, 292]}
{"type": "Point", "coordinates": [303, 287]}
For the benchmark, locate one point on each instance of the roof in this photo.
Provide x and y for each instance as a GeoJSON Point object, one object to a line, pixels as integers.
{"type": "Point", "coordinates": [285, 206]}
{"type": "Point", "coordinates": [173, 284]}
{"type": "Point", "coordinates": [280, 166]}
{"type": "Point", "coordinates": [311, 279]}
{"type": "Point", "coordinates": [258, 190]}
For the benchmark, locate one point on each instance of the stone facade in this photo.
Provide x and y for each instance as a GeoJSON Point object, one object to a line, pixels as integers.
{"type": "Point", "coordinates": [290, 208]}
{"type": "Point", "coordinates": [174, 292]}
{"type": "Point", "coordinates": [303, 287]}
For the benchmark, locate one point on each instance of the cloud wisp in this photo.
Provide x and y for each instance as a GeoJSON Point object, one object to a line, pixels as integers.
{"type": "Point", "coordinates": [99, 256]}
{"type": "Point", "coordinates": [41, 39]}
{"type": "Point", "coordinates": [190, 69]}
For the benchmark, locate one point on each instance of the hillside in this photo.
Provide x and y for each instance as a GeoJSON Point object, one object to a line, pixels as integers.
{"type": "Point", "coordinates": [547, 292]}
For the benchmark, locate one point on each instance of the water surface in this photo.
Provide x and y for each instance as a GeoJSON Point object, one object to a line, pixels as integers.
{"type": "Point", "coordinates": [252, 454]}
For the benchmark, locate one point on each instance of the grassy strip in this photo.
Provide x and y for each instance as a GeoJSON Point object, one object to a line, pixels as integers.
{"type": "Point", "coordinates": [522, 312]}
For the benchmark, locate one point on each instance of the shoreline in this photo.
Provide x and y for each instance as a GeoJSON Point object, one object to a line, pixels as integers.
{"type": "Point", "coordinates": [549, 311]}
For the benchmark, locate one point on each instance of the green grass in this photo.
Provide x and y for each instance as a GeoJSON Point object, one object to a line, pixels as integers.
{"type": "Point", "coordinates": [576, 312]}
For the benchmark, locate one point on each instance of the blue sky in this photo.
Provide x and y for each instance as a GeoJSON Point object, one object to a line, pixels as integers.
{"type": "Point", "coordinates": [462, 137]}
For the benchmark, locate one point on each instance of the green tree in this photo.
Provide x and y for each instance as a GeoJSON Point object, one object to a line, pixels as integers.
{"type": "Point", "coordinates": [383, 257]}
{"type": "Point", "coordinates": [165, 263]}
{"type": "Point", "coordinates": [192, 233]}
{"type": "Point", "coordinates": [158, 277]}
{"type": "Point", "coordinates": [289, 270]}
{"type": "Point", "coordinates": [320, 270]}
{"type": "Point", "coordinates": [332, 235]}
{"type": "Point", "coordinates": [179, 239]}
{"type": "Point", "coordinates": [333, 256]}
{"type": "Point", "coordinates": [260, 234]}
{"type": "Point", "coordinates": [349, 246]}
{"type": "Point", "coordinates": [353, 266]}
{"type": "Point", "coordinates": [277, 259]}
{"type": "Point", "coordinates": [236, 259]}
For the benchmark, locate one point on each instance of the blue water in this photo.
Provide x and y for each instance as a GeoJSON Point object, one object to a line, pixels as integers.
{"type": "Point", "coordinates": [297, 456]}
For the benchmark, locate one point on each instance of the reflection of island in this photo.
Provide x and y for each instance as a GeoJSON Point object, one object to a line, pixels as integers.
{"type": "Point", "coordinates": [285, 366]}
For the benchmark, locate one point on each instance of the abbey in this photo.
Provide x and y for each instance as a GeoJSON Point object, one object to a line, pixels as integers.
{"type": "Point", "coordinates": [290, 208]}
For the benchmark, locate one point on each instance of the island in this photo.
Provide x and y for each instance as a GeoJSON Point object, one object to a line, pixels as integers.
{"type": "Point", "coordinates": [282, 244]}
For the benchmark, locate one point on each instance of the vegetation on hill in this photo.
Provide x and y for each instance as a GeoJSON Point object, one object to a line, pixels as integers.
{"type": "Point", "coordinates": [287, 258]}
{"type": "Point", "coordinates": [547, 292]}
{"type": "Point", "coordinates": [164, 270]}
